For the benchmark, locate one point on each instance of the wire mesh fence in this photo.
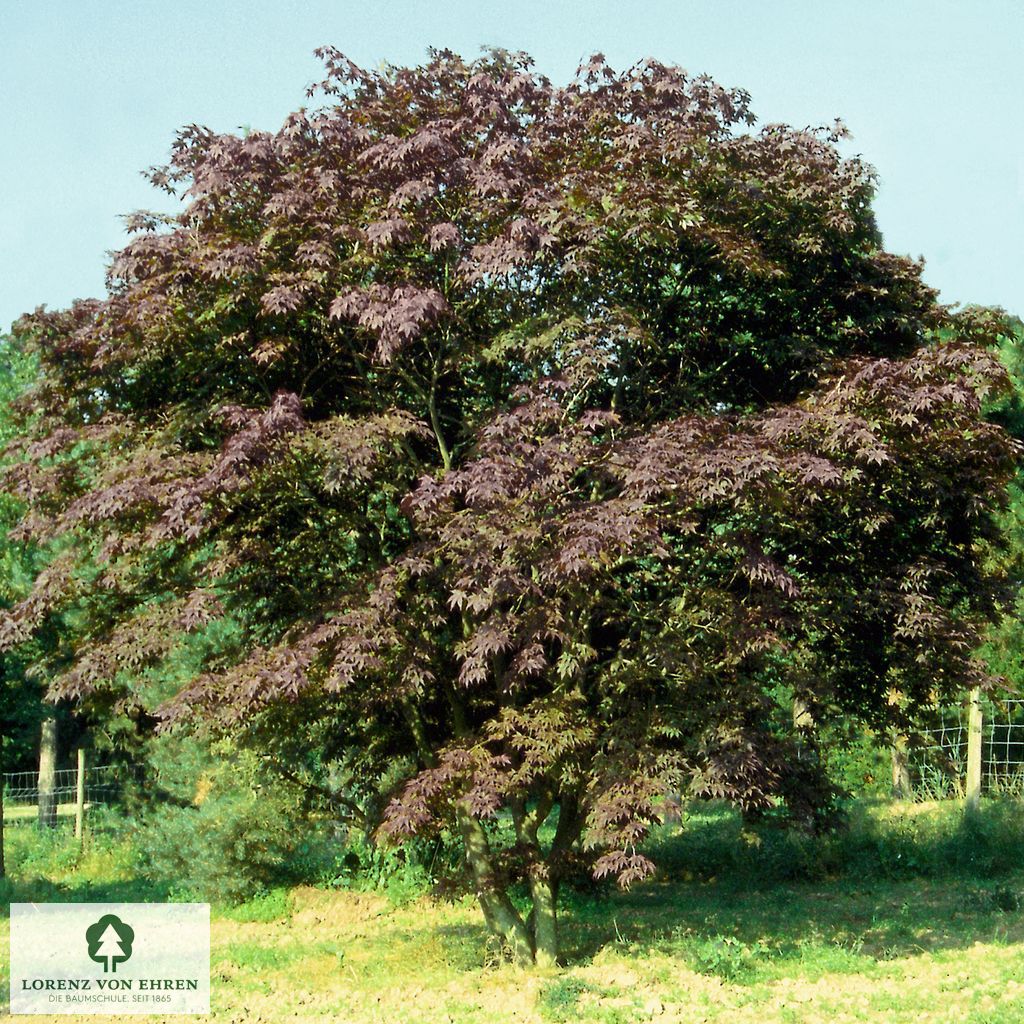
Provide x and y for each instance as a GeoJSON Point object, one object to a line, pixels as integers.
{"type": "Point", "coordinates": [938, 765]}
{"type": "Point", "coordinates": [103, 784]}
{"type": "Point", "coordinates": [936, 760]}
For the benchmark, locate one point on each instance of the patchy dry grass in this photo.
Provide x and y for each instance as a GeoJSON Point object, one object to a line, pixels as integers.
{"type": "Point", "coordinates": [800, 954]}
{"type": "Point", "coordinates": [683, 949]}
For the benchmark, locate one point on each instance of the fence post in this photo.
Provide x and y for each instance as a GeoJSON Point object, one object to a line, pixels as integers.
{"type": "Point", "coordinates": [974, 730]}
{"type": "Point", "coordinates": [80, 797]}
{"type": "Point", "coordinates": [3, 863]}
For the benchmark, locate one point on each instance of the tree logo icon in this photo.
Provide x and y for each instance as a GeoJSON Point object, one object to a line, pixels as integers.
{"type": "Point", "coordinates": [110, 942]}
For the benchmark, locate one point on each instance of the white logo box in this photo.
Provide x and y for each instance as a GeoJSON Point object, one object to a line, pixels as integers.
{"type": "Point", "coordinates": [112, 958]}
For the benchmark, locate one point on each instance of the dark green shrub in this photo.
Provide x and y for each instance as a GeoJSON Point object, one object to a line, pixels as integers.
{"type": "Point", "coordinates": [878, 841]}
{"type": "Point", "coordinates": [242, 831]}
{"type": "Point", "coordinates": [860, 765]}
{"type": "Point", "coordinates": [402, 873]}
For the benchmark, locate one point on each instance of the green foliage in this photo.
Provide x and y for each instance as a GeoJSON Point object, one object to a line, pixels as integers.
{"type": "Point", "coordinates": [221, 854]}
{"type": "Point", "coordinates": [20, 698]}
{"type": "Point", "coordinates": [50, 866]}
{"type": "Point", "coordinates": [860, 765]}
{"type": "Point", "coordinates": [401, 874]}
{"type": "Point", "coordinates": [559, 1000]}
{"type": "Point", "coordinates": [242, 831]}
{"type": "Point", "coordinates": [270, 905]}
{"type": "Point", "coordinates": [46, 852]}
{"type": "Point", "coordinates": [722, 955]}
{"type": "Point", "coordinates": [1008, 409]}
{"type": "Point", "coordinates": [880, 841]}
{"type": "Point", "coordinates": [1003, 649]}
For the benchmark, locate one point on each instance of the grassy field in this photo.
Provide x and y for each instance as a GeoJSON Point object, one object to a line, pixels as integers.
{"type": "Point", "coordinates": [888, 924]}
{"type": "Point", "coordinates": [18, 813]}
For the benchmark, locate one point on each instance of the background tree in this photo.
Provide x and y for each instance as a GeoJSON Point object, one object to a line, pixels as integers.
{"type": "Point", "coordinates": [21, 705]}
{"type": "Point", "coordinates": [1004, 644]}
{"type": "Point", "coordinates": [540, 446]}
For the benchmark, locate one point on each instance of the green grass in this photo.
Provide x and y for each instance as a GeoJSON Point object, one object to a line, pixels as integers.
{"type": "Point", "coordinates": [19, 812]}
{"type": "Point", "coordinates": [914, 914]}
{"type": "Point", "coordinates": [882, 840]}
{"type": "Point", "coordinates": [269, 906]}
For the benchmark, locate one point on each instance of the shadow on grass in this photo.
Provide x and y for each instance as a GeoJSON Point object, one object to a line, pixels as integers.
{"type": "Point", "coordinates": [750, 905]}
{"type": "Point", "coordinates": [740, 904]}
{"type": "Point", "coordinates": [749, 935]}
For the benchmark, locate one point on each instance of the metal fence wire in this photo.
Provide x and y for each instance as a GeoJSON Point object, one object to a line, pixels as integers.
{"type": "Point", "coordinates": [938, 763]}
{"type": "Point", "coordinates": [104, 784]}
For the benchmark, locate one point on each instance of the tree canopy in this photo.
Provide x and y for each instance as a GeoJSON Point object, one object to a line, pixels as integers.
{"type": "Point", "coordinates": [539, 444]}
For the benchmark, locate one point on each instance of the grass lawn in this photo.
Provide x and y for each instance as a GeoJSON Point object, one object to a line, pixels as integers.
{"type": "Point", "coordinates": [17, 812]}
{"type": "Point", "coordinates": [885, 945]}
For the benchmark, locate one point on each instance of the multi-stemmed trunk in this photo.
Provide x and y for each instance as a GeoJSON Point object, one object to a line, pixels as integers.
{"type": "Point", "coordinates": [533, 940]}
{"type": "Point", "coordinates": [503, 920]}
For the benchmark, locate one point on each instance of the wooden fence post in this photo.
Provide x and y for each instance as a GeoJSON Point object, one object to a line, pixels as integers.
{"type": "Point", "coordinates": [3, 863]}
{"type": "Point", "coordinates": [80, 798]}
{"type": "Point", "coordinates": [974, 731]}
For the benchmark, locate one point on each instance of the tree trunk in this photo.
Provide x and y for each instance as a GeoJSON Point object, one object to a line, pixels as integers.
{"type": "Point", "coordinates": [501, 916]}
{"type": "Point", "coordinates": [900, 769]}
{"type": "Point", "coordinates": [533, 942]}
{"type": "Point", "coordinates": [48, 773]}
{"type": "Point", "coordinates": [545, 920]}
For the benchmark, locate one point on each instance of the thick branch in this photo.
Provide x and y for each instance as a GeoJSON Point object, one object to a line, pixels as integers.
{"type": "Point", "coordinates": [414, 719]}
{"type": "Point", "coordinates": [435, 422]}
{"type": "Point", "coordinates": [355, 812]}
{"type": "Point", "coordinates": [541, 878]}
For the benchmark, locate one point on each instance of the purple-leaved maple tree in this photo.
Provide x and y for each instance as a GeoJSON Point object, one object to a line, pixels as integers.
{"type": "Point", "coordinates": [542, 445]}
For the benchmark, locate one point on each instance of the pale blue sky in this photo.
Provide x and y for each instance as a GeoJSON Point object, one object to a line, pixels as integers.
{"type": "Point", "coordinates": [91, 92]}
